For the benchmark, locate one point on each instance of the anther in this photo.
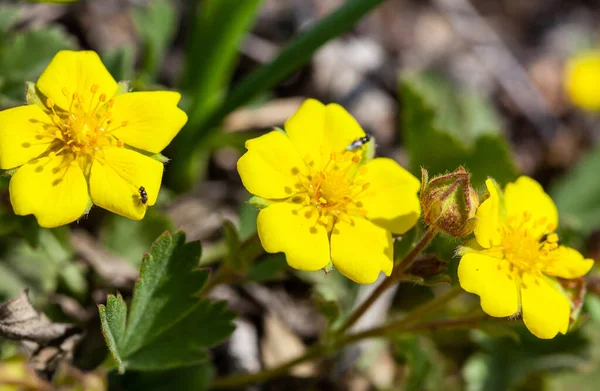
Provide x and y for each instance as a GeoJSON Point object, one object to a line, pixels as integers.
{"type": "Point", "coordinates": [49, 103]}
{"type": "Point", "coordinates": [527, 215]}
{"type": "Point", "coordinates": [102, 97]}
{"type": "Point", "coordinates": [355, 159]}
{"type": "Point", "coordinates": [366, 186]}
{"type": "Point", "coordinates": [94, 88]}
{"type": "Point", "coordinates": [552, 238]}
{"type": "Point", "coordinates": [120, 143]}
{"type": "Point", "coordinates": [124, 123]}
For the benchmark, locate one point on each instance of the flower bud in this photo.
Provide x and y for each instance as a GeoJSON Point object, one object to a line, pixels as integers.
{"type": "Point", "coordinates": [449, 202]}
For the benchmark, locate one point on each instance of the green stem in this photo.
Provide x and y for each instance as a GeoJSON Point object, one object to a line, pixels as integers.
{"type": "Point", "coordinates": [321, 350]}
{"type": "Point", "coordinates": [400, 268]}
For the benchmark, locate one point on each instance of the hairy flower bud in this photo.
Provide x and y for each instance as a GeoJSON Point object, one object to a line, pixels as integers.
{"type": "Point", "coordinates": [449, 202]}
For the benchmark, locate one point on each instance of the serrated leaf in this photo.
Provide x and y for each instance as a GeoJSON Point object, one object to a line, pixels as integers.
{"type": "Point", "coordinates": [129, 238]}
{"type": "Point", "coordinates": [113, 317]}
{"type": "Point", "coordinates": [444, 129]}
{"type": "Point", "coordinates": [167, 325]}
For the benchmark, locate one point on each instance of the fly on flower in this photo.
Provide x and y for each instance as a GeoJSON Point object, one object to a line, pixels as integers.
{"type": "Point", "coordinates": [359, 142]}
{"type": "Point", "coordinates": [328, 203]}
{"type": "Point", "coordinates": [513, 262]}
{"type": "Point", "coordinates": [81, 141]}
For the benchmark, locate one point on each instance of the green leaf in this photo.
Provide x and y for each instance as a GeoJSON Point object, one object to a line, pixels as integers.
{"type": "Point", "coordinates": [234, 259]}
{"type": "Point", "coordinates": [167, 326]}
{"type": "Point", "coordinates": [294, 55]}
{"type": "Point", "coordinates": [23, 56]}
{"type": "Point", "coordinates": [445, 128]}
{"type": "Point", "coordinates": [218, 29]}
{"type": "Point", "coordinates": [155, 25]}
{"type": "Point", "coordinates": [113, 317]}
{"type": "Point", "coordinates": [268, 268]}
{"type": "Point", "coordinates": [120, 62]}
{"type": "Point", "coordinates": [577, 194]}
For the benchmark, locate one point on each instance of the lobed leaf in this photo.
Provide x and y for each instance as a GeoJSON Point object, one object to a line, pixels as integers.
{"type": "Point", "coordinates": [167, 326]}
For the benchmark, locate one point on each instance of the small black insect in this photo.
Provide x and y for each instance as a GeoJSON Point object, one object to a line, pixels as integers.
{"type": "Point", "coordinates": [359, 142]}
{"type": "Point", "coordinates": [143, 194]}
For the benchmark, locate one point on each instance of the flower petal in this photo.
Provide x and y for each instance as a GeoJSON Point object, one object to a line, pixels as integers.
{"type": "Point", "coordinates": [526, 195]}
{"type": "Point", "coordinates": [481, 274]}
{"type": "Point", "coordinates": [75, 72]}
{"type": "Point", "coordinates": [116, 177]}
{"type": "Point", "coordinates": [582, 78]}
{"type": "Point", "coordinates": [361, 249]}
{"type": "Point", "coordinates": [546, 310]}
{"type": "Point", "coordinates": [22, 135]}
{"type": "Point", "coordinates": [153, 119]}
{"type": "Point", "coordinates": [489, 217]}
{"type": "Point", "coordinates": [317, 130]}
{"type": "Point", "coordinates": [391, 200]}
{"type": "Point", "coordinates": [282, 228]}
{"type": "Point", "coordinates": [270, 167]}
{"type": "Point", "coordinates": [566, 262]}
{"type": "Point", "coordinates": [52, 189]}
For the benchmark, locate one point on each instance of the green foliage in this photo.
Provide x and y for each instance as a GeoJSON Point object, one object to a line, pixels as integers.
{"type": "Point", "coordinates": [195, 378]}
{"type": "Point", "coordinates": [166, 326]}
{"type": "Point", "coordinates": [155, 25]}
{"type": "Point", "coordinates": [25, 54]}
{"type": "Point", "coordinates": [577, 195]}
{"type": "Point", "coordinates": [119, 62]}
{"type": "Point", "coordinates": [41, 267]}
{"type": "Point", "coordinates": [130, 238]}
{"type": "Point", "coordinates": [219, 27]}
{"type": "Point", "coordinates": [444, 128]}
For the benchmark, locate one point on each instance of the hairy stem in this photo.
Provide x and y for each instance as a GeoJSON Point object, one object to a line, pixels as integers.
{"type": "Point", "coordinates": [400, 268]}
{"type": "Point", "coordinates": [321, 350]}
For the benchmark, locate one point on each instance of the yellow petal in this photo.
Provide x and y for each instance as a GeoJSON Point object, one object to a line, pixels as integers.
{"type": "Point", "coordinates": [361, 249]}
{"type": "Point", "coordinates": [317, 130]}
{"type": "Point", "coordinates": [481, 274]}
{"type": "Point", "coordinates": [489, 217]}
{"type": "Point", "coordinates": [152, 119]}
{"type": "Point", "coordinates": [72, 72]}
{"type": "Point", "coordinates": [270, 167]}
{"type": "Point", "coordinates": [115, 179]}
{"type": "Point", "coordinates": [546, 310]}
{"type": "Point", "coordinates": [391, 200]}
{"type": "Point", "coordinates": [526, 195]}
{"type": "Point", "coordinates": [282, 228]}
{"type": "Point", "coordinates": [582, 80]}
{"type": "Point", "coordinates": [54, 190]}
{"type": "Point", "coordinates": [566, 262]}
{"type": "Point", "coordinates": [22, 135]}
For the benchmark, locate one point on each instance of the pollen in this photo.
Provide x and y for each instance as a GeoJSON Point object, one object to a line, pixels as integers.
{"type": "Point", "coordinates": [85, 125]}
{"type": "Point", "coordinates": [526, 245]}
{"type": "Point", "coordinates": [331, 192]}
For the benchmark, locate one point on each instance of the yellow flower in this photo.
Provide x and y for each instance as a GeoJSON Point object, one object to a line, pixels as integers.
{"type": "Point", "coordinates": [80, 141]}
{"type": "Point", "coordinates": [582, 80]}
{"type": "Point", "coordinates": [512, 262]}
{"type": "Point", "coordinates": [325, 203]}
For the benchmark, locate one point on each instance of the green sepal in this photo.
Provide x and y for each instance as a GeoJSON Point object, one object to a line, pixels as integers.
{"type": "Point", "coordinates": [124, 87]}
{"type": "Point", "coordinates": [329, 267]}
{"type": "Point", "coordinates": [31, 95]}
{"type": "Point", "coordinates": [259, 202]}
{"type": "Point", "coordinates": [161, 158]}
{"type": "Point", "coordinates": [10, 172]}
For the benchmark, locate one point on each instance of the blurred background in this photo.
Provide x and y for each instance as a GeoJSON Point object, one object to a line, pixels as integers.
{"type": "Point", "coordinates": [438, 83]}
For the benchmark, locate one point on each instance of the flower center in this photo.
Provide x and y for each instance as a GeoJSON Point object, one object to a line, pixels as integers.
{"type": "Point", "coordinates": [331, 192]}
{"type": "Point", "coordinates": [85, 126]}
{"type": "Point", "coordinates": [526, 244]}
